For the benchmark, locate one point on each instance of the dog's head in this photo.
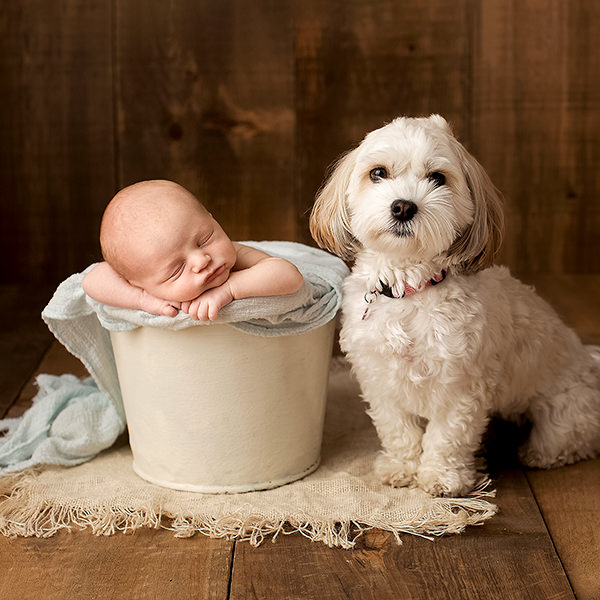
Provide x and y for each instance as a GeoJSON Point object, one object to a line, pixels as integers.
{"type": "Point", "coordinates": [412, 191]}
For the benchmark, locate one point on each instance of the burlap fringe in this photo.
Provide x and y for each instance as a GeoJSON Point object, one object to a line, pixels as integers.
{"type": "Point", "coordinates": [20, 516]}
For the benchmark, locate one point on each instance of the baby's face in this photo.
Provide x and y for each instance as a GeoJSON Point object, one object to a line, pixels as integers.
{"type": "Point", "coordinates": [188, 254]}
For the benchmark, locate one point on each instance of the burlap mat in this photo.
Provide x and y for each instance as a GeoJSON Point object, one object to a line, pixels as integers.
{"type": "Point", "coordinates": [333, 505]}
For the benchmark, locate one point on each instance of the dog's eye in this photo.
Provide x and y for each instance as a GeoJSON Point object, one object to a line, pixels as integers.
{"type": "Point", "coordinates": [437, 178]}
{"type": "Point", "coordinates": [378, 174]}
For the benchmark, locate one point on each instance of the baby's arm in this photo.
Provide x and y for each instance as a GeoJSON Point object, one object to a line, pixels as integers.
{"type": "Point", "coordinates": [105, 285]}
{"type": "Point", "coordinates": [255, 273]}
{"type": "Point", "coordinates": [258, 274]}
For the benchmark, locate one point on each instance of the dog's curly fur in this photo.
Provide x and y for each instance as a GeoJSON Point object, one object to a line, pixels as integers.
{"type": "Point", "coordinates": [435, 365]}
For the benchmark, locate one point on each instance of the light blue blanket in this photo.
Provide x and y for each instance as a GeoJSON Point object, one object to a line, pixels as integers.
{"type": "Point", "coordinates": [72, 420]}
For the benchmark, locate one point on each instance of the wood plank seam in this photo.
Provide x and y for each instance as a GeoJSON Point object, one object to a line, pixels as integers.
{"type": "Point", "coordinates": [232, 562]}
{"type": "Point", "coordinates": [541, 513]}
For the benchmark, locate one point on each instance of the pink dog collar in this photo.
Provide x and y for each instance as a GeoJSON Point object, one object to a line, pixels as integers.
{"type": "Point", "coordinates": [386, 290]}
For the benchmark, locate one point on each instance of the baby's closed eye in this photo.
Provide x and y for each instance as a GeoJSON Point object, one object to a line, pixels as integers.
{"type": "Point", "coordinates": [177, 272]}
{"type": "Point", "coordinates": [204, 240]}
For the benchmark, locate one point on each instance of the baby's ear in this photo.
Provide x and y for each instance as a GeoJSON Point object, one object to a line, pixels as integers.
{"type": "Point", "coordinates": [440, 122]}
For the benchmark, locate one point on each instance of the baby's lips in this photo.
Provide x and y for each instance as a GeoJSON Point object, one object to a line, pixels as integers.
{"type": "Point", "coordinates": [214, 273]}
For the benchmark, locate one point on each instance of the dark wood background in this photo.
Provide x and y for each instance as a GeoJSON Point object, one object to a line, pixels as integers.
{"type": "Point", "coordinates": [246, 103]}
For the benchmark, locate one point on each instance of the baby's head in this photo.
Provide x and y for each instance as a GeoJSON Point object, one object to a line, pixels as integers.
{"type": "Point", "coordinates": [159, 237]}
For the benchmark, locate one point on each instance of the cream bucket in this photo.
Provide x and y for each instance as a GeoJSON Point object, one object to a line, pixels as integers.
{"type": "Point", "coordinates": [213, 409]}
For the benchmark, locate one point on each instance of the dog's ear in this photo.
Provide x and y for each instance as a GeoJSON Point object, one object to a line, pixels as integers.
{"type": "Point", "coordinates": [329, 219]}
{"type": "Point", "coordinates": [479, 244]}
{"type": "Point", "coordinates": [439, 121]}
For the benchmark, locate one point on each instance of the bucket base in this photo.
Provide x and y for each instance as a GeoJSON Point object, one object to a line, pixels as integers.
{"type": "Point", "coordinates": [227, 489]}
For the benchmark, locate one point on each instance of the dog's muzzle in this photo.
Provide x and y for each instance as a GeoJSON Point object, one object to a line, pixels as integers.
{"type": "Point", "coordinates": [403, 210]}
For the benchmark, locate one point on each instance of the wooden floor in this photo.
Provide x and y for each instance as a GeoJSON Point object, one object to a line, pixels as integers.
{"type": "Point", "coordinates": [543, 544]}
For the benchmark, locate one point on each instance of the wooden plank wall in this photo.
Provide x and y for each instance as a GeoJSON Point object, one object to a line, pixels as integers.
{"type": "Point", "coordinates": [246, 103]}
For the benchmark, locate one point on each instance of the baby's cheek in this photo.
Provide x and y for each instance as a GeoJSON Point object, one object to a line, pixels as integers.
{"type": "Point", "coordinates": [193, 290]}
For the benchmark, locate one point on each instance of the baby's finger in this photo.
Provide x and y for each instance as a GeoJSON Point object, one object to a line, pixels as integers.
{"type": "Point", "coordinates": [169, 311]}
{"type": "Point", "coordinates": [213, 312]}
{"type": "Point", "coordinates": [203, 312]}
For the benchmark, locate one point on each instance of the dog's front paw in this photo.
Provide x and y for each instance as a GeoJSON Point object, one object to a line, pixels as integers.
{"type": "Point", "coordinates": [394, 471]}
{"type": "Point", "coordinates": [445, 482]}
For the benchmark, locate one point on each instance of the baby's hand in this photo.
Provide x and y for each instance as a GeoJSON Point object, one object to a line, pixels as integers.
{"type": "Point", "coordinates": [158, 306]}
{"type": "Point", "coordinates": [207, 305]}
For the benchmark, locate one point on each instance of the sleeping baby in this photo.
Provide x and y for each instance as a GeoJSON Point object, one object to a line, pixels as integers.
{"type": "Point", "coordinates": [165, 252]}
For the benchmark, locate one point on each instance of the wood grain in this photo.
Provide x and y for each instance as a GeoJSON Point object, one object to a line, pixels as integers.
{"type": "Point", "coordinates": [247, 103]}
{"type": "Point", "coordinates": [581, 193]}
{"type": "Point", "coordinates": [569, 500]}
{"type": "Point", "coordinates": [509, 557]}
{"type": "Point", "coordinates": [147, 564]}
{"type": "Point", "coordinates": [535, 123]}
{"type": "Point", "coordinates": [56, 142]}
{"type": "Point", "coordinates": [206, 99]}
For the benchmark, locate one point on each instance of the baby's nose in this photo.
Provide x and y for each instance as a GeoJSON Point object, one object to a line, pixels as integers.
{"type": "Point", "coordinates": [199, 261]}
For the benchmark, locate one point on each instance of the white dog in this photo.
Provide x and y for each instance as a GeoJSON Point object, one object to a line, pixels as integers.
{"type": "Point", "coordinates": [438, 341]}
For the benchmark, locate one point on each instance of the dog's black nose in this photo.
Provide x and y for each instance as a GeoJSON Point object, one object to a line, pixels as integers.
{"type": "Point", "coordinates": [403, 210]}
